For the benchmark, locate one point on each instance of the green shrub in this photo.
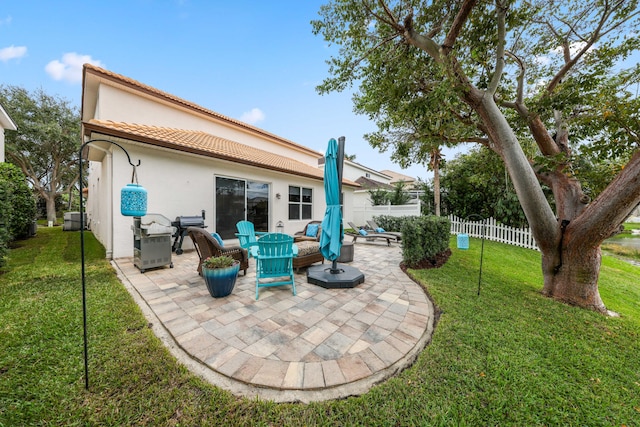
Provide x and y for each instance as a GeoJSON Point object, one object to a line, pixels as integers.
{"type": "Point", "coordinates": [392, 223]}
{"type": "Point", "coordinates": [5, 209]}
{"type": "Point", "coordinates": [424, 238]}
{"type": "Point", "coordinates": [17, 207]}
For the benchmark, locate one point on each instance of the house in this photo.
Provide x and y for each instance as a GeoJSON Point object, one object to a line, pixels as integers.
{"type": "Point", "coordinates": [191, 160]}
{"type": "Point", "coordinates": [5, 123]}
{"type": "Point", "coordinates": [409, 181]}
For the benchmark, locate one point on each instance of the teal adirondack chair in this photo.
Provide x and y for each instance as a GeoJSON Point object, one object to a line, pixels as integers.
{"type": "Point", "coordinates": [247, 235]}
{"type": "Point", "coordinates": [274, 261]}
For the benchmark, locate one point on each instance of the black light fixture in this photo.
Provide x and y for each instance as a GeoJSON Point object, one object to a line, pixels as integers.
{"type": "Point", "coordinates": [133, 202]}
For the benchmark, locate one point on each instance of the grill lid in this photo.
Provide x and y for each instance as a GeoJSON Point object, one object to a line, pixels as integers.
{"type": "Point", "coordinates": [156, 224]}
{"type": "Point", "coordinates": [189, 221]}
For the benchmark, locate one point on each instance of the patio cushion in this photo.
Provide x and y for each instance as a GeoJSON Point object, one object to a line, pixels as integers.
{"type": "Point", "coordinates": [312, 230]}
{"type": "Point", "coordinates": [380, 230]}
{"type": "Point", "coordinates": [307, 248]}
{"type": "Point", "coordinates": [218, 238]}
{"type": "Point", "coordinates": [363, 232]}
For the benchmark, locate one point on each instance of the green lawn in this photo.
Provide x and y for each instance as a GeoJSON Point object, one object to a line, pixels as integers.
{"type": "Point", "coordinates": [506, 357]}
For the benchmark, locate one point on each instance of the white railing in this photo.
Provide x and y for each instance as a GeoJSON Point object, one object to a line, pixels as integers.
{"type": "Point", "coordinates": [494, 231]}
{"type": "Point", "coordinates": [361, 214]}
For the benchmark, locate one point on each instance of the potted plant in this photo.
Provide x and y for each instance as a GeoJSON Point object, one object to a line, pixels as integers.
{"type": "Point", "coordinates": [220, 273]}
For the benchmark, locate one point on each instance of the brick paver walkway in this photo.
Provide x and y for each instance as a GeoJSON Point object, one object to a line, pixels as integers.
{"type": "Point", "coordinates": [320, 344]}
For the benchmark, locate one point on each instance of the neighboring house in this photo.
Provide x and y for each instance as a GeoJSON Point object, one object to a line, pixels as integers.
{"type": "Point", "coordinates": [409, 181]}
{"type": "Point", "coordinates": [5, 123]}
{"type": "Point", "coordinates": [192, 159]}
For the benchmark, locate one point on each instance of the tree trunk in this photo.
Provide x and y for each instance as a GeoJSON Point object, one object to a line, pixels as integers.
{"type": "Point", "coordinates": [50, 200]}
{"type": "Point", "coordinates": [435, 165]}
{"type": "Point", "coordinates": [570, 265]}
{"type": "Point", "coordinates": [575, 280]}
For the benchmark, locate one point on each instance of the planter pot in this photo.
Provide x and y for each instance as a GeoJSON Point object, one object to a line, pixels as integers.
{"type": "Point", "coordinates": [220, 281]}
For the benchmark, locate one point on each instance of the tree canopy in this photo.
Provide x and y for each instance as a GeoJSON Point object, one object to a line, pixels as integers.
{"type": "Point", "coordinates": [46, 143]}
{"type": "Point", "coordinates": [541, 83]}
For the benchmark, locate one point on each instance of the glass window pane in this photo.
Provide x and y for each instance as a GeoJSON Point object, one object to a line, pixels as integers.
{"type": "Point", "coordinates": [294, 211]}
{"type": "Point", "coordinates": [307, 195]}
{"type": "Point", "coordinates": [306, 211]}
{"type": "Point", "coordinates": [294, 194]}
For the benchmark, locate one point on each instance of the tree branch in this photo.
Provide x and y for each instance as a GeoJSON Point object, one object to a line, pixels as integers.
{"type": "Point", "coordinates": [520, 89]}
{"type": "Point", "coordinates": [500, 50]}
{"type": "Point", "coordinates": [458, 23]}
{"type": "Point", "coordinates": [602, 217]}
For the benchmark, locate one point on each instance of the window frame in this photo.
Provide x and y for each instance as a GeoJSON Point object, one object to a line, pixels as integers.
{"type": "Point", "coordinates": [301, 203]}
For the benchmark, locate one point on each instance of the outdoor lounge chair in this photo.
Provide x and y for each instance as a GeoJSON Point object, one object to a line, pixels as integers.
{"type": "Point", "coordinates": [247, 235]}
{"type": "Point", "coordinates": [362, 233]}
{"type": "Point", "coordinates": [376, 228]}
{"type": "Point", "coordinates": [310, 232]}
{"type": "Point", "coordinates": [206, 246]}
{"type": "Point", "coordinates": [274, 261]}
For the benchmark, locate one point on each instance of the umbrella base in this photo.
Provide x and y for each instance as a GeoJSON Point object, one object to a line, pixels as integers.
{"type": "Point", "coordinates": [344, 277]}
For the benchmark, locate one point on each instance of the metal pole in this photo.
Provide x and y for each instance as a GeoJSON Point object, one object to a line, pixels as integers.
{"type": "Point", "coordinates": [82, 225]}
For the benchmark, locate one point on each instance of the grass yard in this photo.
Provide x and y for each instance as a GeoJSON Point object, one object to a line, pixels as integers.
{"type": "Point", "coordinates": [505, 357]}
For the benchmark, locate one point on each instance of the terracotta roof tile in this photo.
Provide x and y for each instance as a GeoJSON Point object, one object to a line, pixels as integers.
{"type": "Point", "coordinates": [126, 81]}
{"type": "Point", "coordinates": [205, 144]}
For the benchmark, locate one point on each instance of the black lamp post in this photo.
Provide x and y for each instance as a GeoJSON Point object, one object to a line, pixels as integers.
{"type": "Point", "coordinates": [135, 198]}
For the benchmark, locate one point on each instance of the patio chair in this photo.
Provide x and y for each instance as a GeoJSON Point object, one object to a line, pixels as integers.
{"type": "Point", "coordinates": [310, 232]}
{"type": "Point", "coordinates": [360, 232]}
{"type": "Point", "coordinates": [375, 227]}
{"type": "Point", "coordinates": [206, 245]}
{"type": "Point", "coordinates": [274, 261]}
{"type": "Point", "coordinates": [247, 235]}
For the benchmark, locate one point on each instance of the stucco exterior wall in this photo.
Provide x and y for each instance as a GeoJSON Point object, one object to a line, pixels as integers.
{"type": "Point", "coordinates": [181, 184]}
{"type": "Point", "coordinates": [1, 144]}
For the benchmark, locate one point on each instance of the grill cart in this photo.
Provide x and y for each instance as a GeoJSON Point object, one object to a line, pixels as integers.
{"type": "Point", "coordinates": [181, 224]}
{"type": "Point", "coordinates": [152, 241]}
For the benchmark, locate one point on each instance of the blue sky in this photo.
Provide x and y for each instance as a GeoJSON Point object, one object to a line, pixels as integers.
{"type": "Point", "coordinates": [257, 61]}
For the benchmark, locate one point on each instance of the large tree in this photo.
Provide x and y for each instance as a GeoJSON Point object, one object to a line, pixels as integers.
{"type": "Point", "coordinates": [530, 80]}
{"type": "Point", "coordinates": [46, 143]}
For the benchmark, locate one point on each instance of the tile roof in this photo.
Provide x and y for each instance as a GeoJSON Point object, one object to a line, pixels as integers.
{"type": "Point", "coordinates": [202, 143]}
{"type": "Point", "coordinates": [370, 184]}
{"type": "Point", "coordinates": [140, 87]}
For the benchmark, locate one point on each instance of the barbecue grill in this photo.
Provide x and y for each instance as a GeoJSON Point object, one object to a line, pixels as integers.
{"type": "Point", "coordinates": [181, 224]}
{"type": "Point", "coordinates": [152, 241]}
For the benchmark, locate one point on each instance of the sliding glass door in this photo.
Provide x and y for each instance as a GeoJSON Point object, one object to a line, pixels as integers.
{"type": "Point", "coordinates": [238, 200]}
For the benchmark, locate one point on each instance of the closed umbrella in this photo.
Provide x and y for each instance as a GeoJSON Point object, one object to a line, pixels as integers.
{"type": "Point", "coordinates": [331, 237]}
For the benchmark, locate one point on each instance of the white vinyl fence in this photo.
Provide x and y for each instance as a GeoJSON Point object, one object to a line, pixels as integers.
{"type": "Point", "coordinates": [494, 231]}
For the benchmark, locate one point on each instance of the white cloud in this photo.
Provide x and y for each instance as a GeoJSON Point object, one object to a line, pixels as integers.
{"type": "Point", "coordinates": [12, 52]}
{"type": "Point", "coordinates": [70, 68]}
{"type": "Point", "coordinates": [542, 60]}
{"type": "Point", "coordinates": [252, 117]}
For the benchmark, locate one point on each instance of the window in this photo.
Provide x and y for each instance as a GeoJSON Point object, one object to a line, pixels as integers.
{"type": "Point", "coordinates": [300, 202]}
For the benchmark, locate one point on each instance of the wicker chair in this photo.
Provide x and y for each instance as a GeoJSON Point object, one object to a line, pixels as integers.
{"type": "Point", "coordinates": [207, 246]}
{"type": "Point", "coordinates": [301, 236]}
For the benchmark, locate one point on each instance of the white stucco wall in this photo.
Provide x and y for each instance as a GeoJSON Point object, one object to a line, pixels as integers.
{"type": "Point", "coordinates": [5, 123]}
{"type": "Point", "coordinates": [1, 144]}
{"type": "Point", "coordinates": [181, 184]}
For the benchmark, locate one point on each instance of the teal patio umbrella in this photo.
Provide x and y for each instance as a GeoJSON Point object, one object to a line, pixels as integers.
{"type": "Point", "coordinates": [332, 235]}
{"type": "Point", "coordinates": [338, 275]}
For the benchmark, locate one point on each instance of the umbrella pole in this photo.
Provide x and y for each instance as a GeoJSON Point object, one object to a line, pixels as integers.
{"type": "Point", "coordinates": [339, 166]}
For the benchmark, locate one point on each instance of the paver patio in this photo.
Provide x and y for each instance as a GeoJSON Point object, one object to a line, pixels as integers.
{"type": "Point", "coordinates": [320, 344]}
